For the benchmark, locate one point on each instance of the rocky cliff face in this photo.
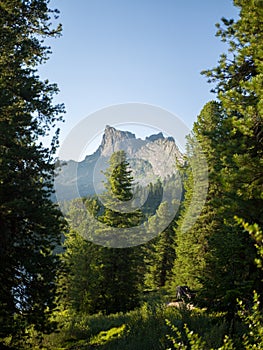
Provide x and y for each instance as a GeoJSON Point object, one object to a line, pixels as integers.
{"type": "Point", "coordinates": [114, 140]}
{"type": "Point", "coordinates": [150, 159]}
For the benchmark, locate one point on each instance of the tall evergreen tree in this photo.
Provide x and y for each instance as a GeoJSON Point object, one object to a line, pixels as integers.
{"type": "Point", "coordinates": [239, 82]}
{"type": "Point", "coordinates": [215, 255]}
{"type": "Point", "coordinates": [104, 278]}
{"type": "Point", "coordinates": [81, 284]}
{"type": "Point", "coordinates": [121, 268]}
{"type": "Point", "coordinates": [81, 280]}
{"type": "Point", "coordinates": [239, 88]}
{"type": "Point", "coordinates": [192, 236]}
{"type": "Point", "coordinates": [160, 252]}
{"type": "Point", "coordinates": [31, 225]}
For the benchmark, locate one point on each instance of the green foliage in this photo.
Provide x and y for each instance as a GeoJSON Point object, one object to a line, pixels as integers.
{"type": "Point", "coordinates": [214, 255]}
{"type": "Point", "coordinates": [118, 213]}
{"type": "Point", "coordinates": [252, 338]}
{"type": "Point", "coordinates": [119, 179]}
{"type": "Point", "coordinates": [103, 279]}
{"type": "Point", "coordinates": [254, 320]}
{"type": "Point", "coordinates": [160, 252]}
{"type": "Point", "coordinates": [194, 228]}
{"type": "Point", "coordinates": [256, 233]}
{"type": "Point", "coordinates": [142, 328]}
{"type": "Point", "coordinates": [153, 194]}
{"type": "Point", "coordinates": [105, 337]}
{"type": "Point", "coordinates": [251, 317]}
{"type": "Point", "coordinates": [239, 88]}
{"type": "Point", "coordinates": [81, 280]}
{"type": "Point", "coordinates": [120, 268]}
{"type": "Point", "coordinates": [31, 225]}
{"type": "Point", "coordinates": [195, 342]}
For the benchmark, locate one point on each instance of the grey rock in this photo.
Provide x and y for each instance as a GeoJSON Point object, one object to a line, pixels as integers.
{"type": "Point", "coordinates": [150, 159]}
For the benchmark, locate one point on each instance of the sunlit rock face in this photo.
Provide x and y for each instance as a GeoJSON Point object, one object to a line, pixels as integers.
{"type": "Point", "coordinates": [150, 159]}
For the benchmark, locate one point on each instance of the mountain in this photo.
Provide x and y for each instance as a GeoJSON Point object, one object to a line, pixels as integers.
{"type": "Point", "coordinates": [150, 159]}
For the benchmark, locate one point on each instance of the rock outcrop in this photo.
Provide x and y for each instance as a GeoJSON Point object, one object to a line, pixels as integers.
{"type": "Point", "coordinates": [150, 159]}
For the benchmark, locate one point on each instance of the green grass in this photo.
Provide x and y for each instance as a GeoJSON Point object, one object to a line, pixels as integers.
{"type": "Point", "coordinates": [144, 328]}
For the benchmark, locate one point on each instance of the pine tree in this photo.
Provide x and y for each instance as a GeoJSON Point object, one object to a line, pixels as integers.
{"type": "Point", "coordinates": [103, 278]}
{"type": "Point", "coordinates": [81, 280]}
{"type": "Point", "coordinates": [160, 252]}
{"type": "Point", "coordinates": [31, 225]}
{"type": "Point", "coordinates": [214, 255]}
{"type": "Point", "coordinates": [238, 79]}
{"type": "Point", "coordinates": [120, 267]}
{"type": "Point", "coordinates": [194, 227]}
{"type": "Point", "coordinates": [153, 194]}
{"type": "Point", "coordinates": [239, 89]}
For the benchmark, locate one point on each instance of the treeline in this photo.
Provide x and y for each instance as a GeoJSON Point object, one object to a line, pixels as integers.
{"type": "Point", "coordinates": [112, 277]}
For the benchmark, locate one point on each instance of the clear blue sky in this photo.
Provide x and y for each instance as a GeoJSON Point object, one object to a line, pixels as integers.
{"type": "Point", "coordinates": [148, 51]}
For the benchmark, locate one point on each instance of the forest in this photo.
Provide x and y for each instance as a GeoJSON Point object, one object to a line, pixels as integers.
{"type": "Point", "coordinates": [67, 283]}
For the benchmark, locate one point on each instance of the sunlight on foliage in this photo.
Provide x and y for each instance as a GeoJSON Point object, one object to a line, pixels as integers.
{"type": "Point", "coordinates": [107, 336]}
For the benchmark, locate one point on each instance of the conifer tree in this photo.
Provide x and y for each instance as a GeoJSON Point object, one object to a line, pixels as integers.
{"type": "Point", "coordinates": [103, 278]}
{"type": "Point", "coordinates": [80, 281]}
{"type": "Point", "coordinates": [121, 268]}
{"type": "Point", "coordinates": [192, 236]}
{"type": "Point", "coordinates": [81, 284]}
{"type": "Point", "coordinates": [160, 252]}
{"type": "Point", "coordinates": [31, 225]}
{"type": "Point", "coordinates": [214, 254]}
{"type": "Point", "coordinates": [238, 80]}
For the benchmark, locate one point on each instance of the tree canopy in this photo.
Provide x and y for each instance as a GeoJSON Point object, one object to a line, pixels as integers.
{"type": "Point", "coordinates": [214, 254]}
{"type": "Point", "coordinates": [31, 225]}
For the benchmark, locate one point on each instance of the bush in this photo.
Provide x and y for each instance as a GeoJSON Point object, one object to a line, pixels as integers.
{"type": "Point", "coordinates": [251, 339]}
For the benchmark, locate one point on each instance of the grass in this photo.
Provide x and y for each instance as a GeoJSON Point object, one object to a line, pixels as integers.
{"type": "Point", "coordinates": [144, 328]}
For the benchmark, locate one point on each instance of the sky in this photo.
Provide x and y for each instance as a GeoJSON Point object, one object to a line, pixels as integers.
{"type": "Point", "coordinates": [150, 52]}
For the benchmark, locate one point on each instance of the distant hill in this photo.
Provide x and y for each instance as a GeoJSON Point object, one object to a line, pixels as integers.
{"type": "Point", "coordinates": [150, 159]}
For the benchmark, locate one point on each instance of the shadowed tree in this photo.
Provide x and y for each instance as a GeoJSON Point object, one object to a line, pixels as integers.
{"type": "Point", "coordinates": [238, 79]}
{"type": "Point", "coordinates": [31, 225]}
{"type": "Point", "coordinates": [214, 254]}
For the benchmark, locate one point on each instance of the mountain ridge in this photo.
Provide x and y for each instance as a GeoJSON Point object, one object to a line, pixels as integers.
{"type": "Point", "coordinates": [150, 159]}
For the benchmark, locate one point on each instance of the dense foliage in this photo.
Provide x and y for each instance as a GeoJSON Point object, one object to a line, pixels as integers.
{"type": "Point", "coordinates": [31, 225]}
{"type": "Point", "coordinates": [104, 278]}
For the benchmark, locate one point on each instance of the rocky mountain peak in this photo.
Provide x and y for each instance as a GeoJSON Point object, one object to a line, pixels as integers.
{"type": "Point", "coordinates": [112, 134]}
{"type": "Point", "coordinates": [155, 137]}
{"type": "Point", "coordinates": [150, 159]}
{"type": "Point", "coordinates": [114, 140]}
